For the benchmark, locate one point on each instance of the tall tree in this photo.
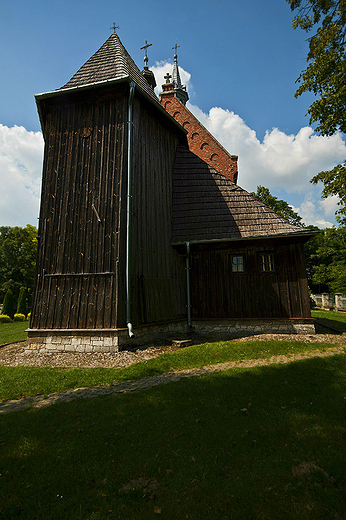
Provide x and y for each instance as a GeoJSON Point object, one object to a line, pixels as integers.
{"type": "Point", "coordinates": [281, 207]}
{"type": "Point", "coordinates": [325, 76]}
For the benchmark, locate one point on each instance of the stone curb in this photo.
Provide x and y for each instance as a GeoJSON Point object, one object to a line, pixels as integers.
{"type": "Point", "coordinates": [40, 401]}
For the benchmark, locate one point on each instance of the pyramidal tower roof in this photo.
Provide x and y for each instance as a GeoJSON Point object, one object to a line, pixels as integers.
{"type": "Point", "coordinates": [110, 62]}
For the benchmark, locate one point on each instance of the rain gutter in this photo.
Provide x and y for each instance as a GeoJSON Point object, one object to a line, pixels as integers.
{"type": "Point", "coordinates": [129, 210]}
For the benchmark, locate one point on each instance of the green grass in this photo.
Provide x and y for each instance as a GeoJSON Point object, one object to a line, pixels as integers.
{"type": "Point", "coordinates": [336, 320]}
{"type": "Point", "coordinates": [16, 382]}
{"type": "Point", "coordinates": [223, 446]}
{"type": "Point", "coordinates": [12, 332]}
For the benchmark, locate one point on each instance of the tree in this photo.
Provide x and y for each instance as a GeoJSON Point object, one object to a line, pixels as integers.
{"type": "Point", "coordinates": [22, 307]}
{"type": "Point", "coordinates": [18, 248]}
{"type": "Point", "coordinates": [325, 76]}
{"type": "Point", "coordinates": [9, 307]}
{"type": "Point", "coordinates": [326, 260]}
{"type": "Point", "coordinates": [334, 184]}
{"type": "Point", "coordinates": [281, 207]}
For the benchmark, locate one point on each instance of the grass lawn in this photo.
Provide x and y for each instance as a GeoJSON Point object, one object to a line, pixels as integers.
{"type": "Point", "coordinates": [12, 332]}
{"type": "Point", "coordinates": [16, 382]}
{"type": "Point", "coordinates": [335, 319]}
{"type": "Point", "coordinates": [265, 443]}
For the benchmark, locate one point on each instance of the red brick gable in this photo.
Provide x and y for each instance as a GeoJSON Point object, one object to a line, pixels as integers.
{"type": "Point", "coordinates": [201, 142]}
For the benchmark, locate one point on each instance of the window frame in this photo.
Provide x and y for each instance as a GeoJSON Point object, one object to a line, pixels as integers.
{"type": "Point", "coordinates": [238, 264]}
{"type": "Point", "coordinates": [267, 263]}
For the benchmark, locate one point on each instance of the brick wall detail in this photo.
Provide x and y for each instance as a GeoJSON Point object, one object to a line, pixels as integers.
{"type": "Point", "coordinates": [201, 142]}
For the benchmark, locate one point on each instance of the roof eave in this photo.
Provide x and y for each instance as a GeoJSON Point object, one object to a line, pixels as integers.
{"type": "Point", "coordinates": [307, 234]}
{"type": "Point", "coordinates": [96, 84]}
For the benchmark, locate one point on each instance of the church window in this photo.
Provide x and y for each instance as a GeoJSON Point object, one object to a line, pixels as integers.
{"type": "Point", "coordinates": [267, 262]}
{"type": "Point", "coordinates": [238, 264]}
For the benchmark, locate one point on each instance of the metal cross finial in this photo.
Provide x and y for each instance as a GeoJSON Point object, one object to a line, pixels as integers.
{"type": "Point", "coordinates": [146, 59]}
{"type": "Point", "coordinates": [167, 77]}
{"type": "Point", "coordinates": [175, 47]}
{"type": "Point", "coordinates": [146, 47]}
{"type": "Point", "coordinates": [114, 27]}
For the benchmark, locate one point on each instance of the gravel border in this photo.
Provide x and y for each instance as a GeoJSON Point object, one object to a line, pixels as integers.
{"type": "Point", "coordinates": [13, 354]}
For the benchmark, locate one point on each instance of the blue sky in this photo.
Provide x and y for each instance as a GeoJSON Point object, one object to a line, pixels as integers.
{"type": "Point", "coordinates": [240, 61]}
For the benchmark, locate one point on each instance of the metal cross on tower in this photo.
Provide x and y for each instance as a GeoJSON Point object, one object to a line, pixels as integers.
{"type": "Point", "coordinates": [145, 47]}
{"type": "Point", "coordinates": [175, 47]}
{"type": "Point", "coordinates": [167, 77]}
{"type": "Point", "coordinates": [114, 27]}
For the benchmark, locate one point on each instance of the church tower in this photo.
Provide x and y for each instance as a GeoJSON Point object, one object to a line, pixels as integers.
{"type": "Point", "coordinates": [173, 98]}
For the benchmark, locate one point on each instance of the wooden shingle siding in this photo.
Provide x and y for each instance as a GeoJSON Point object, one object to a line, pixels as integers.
{"type": "Point", "coordinates": [78, 255]}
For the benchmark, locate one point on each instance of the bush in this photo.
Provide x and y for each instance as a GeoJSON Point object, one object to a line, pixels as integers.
{"type": "Point", "coordinates": [19, 317]}
{"type": "Point", "coordinates": [9, 306]}
{"type": "Point", "coordinates": [4, 318]}
{"type": "Point", "coordinates": [29, 316]}
{"type": "Point", "coordinates": [22, 307]}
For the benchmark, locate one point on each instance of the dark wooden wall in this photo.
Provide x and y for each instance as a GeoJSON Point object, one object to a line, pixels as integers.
{"type": "Point", "coordinates": [217, 292]}
{"type": "Point", "coordinates": [158, 284]}
{"type": "Point", "coordinates": [77, 282]}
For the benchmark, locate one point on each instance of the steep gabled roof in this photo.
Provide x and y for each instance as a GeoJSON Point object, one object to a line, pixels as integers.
{"type": "Point", "coordinates": [208, 206]}
{"type": "Point", "coordinates": [111, 61]}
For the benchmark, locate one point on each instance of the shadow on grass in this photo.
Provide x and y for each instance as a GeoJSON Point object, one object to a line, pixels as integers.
{"type": "Point", "coordinates": [221, 446]}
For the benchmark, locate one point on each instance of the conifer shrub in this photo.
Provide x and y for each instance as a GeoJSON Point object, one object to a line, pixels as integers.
{"type": "Point", "coordinates": [4, 318]}
{"type": "Point", "coordinates": [22, 304]}
{"type": "Point", "coordinates": [19, 317]}
{"type": "Point", "coordinates": [9, 306]}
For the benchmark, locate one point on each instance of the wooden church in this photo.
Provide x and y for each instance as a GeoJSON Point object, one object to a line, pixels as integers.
{"type": "Point", "coordinates": [143, 232]}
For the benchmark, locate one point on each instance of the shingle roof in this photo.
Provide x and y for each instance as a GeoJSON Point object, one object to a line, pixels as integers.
{"type": "Point", "coordinates": [111, 61]}
{"type": "Point", "coordinates": [208, 206]}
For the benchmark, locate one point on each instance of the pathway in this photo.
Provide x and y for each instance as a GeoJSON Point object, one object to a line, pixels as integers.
{"type": "Point", "coordinates": [41, 401]}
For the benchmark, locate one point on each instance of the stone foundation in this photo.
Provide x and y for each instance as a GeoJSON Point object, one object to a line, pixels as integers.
{"type": "Point", "coordinates": [59, 340]}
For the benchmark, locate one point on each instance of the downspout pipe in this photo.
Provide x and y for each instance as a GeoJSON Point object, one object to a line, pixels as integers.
{"type": "Point", "coordinates": [188, 290]}
{"type": "Point", "coordinates": [129, 210]}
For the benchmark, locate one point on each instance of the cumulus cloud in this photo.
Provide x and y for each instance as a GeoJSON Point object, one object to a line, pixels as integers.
{"type": "Point", "coordinates": [281, 162]}
{"type": "Point", "coordinates": [21, 155]}
{"type": "Point", "coordinates": [284, 163]}
{"type": "Point", "coordinates": [161, 68]}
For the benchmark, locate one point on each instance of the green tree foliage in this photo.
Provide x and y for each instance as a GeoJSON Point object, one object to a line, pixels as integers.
{"type": "Point", "coordinates": [326, 260]}
{"type": "Point", "coordinates": [18, 248]}
{"type": "Point", "coordinates": [325, 75]}
{"type": "Point", "coordinates": [334, 184]}
{"type": "Point", "coordinates": [281, 207]}
{"type": "Point", "coordinates": [9, 306]}
{"type": "Point", "coordinates": [22, 304]}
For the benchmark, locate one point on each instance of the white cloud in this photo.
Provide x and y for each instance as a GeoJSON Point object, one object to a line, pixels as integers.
{"type": "Point", "coordinates": [281, 162]}
{"type": "Point", "coordinates": [20, 175]}
{"type": "Point", "coordinates": [161, 68]}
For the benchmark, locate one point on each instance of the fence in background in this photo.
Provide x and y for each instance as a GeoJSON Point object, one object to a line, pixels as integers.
{"type": "Point", "coordinates": [327, 301]}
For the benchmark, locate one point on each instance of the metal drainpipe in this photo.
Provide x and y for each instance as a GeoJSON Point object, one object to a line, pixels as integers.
{"type": "Point", "coordinates": [129, 210]}
{"type": "Point", "coordinates": [188, 292]}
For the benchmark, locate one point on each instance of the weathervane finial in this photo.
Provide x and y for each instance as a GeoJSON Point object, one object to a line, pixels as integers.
{"type": "Point", "coordinates": [114, 27]}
